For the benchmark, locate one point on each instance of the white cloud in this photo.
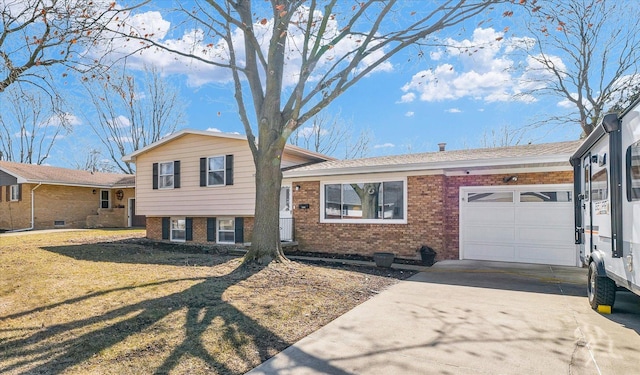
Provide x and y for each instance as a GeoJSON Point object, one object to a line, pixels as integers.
{"type": "Point", "coordinates": [200, 44]}
{"type": "Point", "coordinates": [409, 114]}
{"type": "Point", "coordinates": [407, 98]}
{"type": "Point", "coordinates": [453, 110]}
{"type": "Point", "coordinates": [215, 130]}
{"type": "Point", "coordinates": [480, 68]}
{"type": "Point", "coordinates": [120, 122]}
{"type": "Point", "coordinates": [68, 119]}
{"type": "Point", "coordinates": [385, 145]}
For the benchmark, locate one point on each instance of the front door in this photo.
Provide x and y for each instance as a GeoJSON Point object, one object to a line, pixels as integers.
{"type": "Point", "coordinates": [286, 216]}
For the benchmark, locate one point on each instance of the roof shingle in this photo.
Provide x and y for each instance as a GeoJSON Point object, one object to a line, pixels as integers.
{"type": "Point", "coordinates": [64, 176]}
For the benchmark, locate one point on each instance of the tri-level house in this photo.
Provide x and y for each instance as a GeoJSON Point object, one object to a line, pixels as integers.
{"type": "Point", "coordinates": [506, 204]}
{"type": "Point", "coordinates": [200, 186]}
{"type": "Point", "coordinates": [44, 197]}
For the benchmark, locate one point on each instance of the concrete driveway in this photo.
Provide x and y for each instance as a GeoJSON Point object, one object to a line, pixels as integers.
{"type": "Point", "coordinates": [467, 317]}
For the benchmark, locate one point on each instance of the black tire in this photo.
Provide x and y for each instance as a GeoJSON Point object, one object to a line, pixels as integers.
{"type": "Point", "coordinates": [600, 290]}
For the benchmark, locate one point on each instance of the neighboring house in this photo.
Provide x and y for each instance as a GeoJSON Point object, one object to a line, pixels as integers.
{"type": "Point", "coordinates": [200, 186]}
{"type": "Point", "coordinates": [43, 197]}
{"type": "Point", "coordinates": [504, 204]}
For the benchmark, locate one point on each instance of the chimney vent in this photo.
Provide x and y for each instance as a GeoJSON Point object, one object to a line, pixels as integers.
{"type": "Point", "coordinates": [442, 146]}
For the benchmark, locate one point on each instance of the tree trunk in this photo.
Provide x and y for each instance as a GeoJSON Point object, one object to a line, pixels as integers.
{"type": "Point", "coordinates": [265, 239]}
{"type": "Point", "coordinates": [369, 198]}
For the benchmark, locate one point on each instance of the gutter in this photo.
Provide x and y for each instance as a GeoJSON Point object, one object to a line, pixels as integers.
{"type": "Point", "coordinates": [33, 211]}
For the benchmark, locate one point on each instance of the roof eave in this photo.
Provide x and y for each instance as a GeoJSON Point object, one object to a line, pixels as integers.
{"type": "Point", "coordinates": [408, 167]}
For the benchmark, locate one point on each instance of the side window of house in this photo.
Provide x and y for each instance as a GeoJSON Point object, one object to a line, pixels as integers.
{"type": "Point", "coordinates": [104, 199]}
{"type": "Point", "coordinates": [14, 194]}
{"type": "Point", "coordinates": [216, 170]}
{"type": "Point", "coordinates": [633, 172]}
{"type": "Point", "coordinates": [369, 201]}
{"type": "Point", "coordinates": [166, 175]}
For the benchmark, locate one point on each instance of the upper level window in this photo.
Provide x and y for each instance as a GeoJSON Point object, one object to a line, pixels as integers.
{"type": "Point", "coordinates": [370, 201]}
{"type": "Point", "coordinates": [633, 172]}
{"type": "Point", "coordinates": [165, 175]}
{"type": "Point", "coordinates": [216, 171]}
{"type": "Point", "coordinates": [14, 194]}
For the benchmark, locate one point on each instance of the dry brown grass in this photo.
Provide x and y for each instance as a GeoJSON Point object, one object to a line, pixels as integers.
{"type": "Point", "coordinates": [96, 302]}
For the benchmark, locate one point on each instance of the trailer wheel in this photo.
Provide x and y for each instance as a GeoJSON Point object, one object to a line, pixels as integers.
{"type": "Point", "coordinates": [600, 290]}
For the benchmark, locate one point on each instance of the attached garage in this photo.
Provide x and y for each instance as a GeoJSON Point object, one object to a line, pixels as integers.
{"type": "Point", "coordinates": [518, 223]}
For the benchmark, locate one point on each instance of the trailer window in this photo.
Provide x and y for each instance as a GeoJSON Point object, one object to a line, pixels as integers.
{"type": "Point", "coordinates": [587, 173]}
{"type": "Point", "coordinates": [633, 172]}
{"type": "Point", "coordinates": [599, 186]}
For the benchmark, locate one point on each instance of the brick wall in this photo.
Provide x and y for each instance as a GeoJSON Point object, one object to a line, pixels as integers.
{"type": "Point", "coordinates": [154, 229]}
{"type": "Point", "coordinates": [432, 217]}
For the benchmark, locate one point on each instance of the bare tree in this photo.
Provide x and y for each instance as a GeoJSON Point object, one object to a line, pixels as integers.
{"type": "Point", "coordinates": [39, 34]}
{"type": "Point", "coordinates": [133, 112]}
{"type": "Point", "coordinates": [290, 59]}
{"type": "Point", "coordinates": [30, 123]}
{"type": "Point", "coordinates": [598, 41]}
{"type": "Point", "coordinates": [503, 136]}
{"type": "Point", "coordinates": [331, 135]}
{"type": "Point", "coordinates": [93, 161]}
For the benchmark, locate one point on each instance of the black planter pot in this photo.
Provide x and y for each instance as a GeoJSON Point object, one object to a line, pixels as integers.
{"type": "Point", "coordinates": [383, 259]}
{"type": "Point", "coordinates": [428, 256]}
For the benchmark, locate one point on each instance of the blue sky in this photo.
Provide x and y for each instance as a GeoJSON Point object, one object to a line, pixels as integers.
{"type": "Point", "coordinates": [410, 106]}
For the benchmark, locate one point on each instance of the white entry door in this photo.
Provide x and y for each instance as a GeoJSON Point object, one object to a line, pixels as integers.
{"type": "Point", "coordinates": [286, 216]}
{"type": "Point", "coordinates": [528, 224]}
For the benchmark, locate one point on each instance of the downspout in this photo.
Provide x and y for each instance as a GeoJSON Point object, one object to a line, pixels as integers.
{"type": "Point", "coordinates": [33, 211]}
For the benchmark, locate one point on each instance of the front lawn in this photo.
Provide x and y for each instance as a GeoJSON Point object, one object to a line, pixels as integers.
{"type": "Point", "coordinates": [105, 302]}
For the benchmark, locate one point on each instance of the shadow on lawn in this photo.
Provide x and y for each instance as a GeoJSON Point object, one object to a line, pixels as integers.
{"type": "Point", "coordinates": [56, 349]}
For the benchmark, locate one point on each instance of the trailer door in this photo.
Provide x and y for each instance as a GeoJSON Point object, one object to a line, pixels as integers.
{"type": "Point", "coordinates": [587, 221]}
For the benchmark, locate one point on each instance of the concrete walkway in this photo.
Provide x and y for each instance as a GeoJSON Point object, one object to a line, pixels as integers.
{"type": "Point", "coordinates": [468, 317]}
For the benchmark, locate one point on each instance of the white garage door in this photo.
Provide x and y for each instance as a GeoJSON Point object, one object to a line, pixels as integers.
{"type": "Point", "coordinates": [529, 224]}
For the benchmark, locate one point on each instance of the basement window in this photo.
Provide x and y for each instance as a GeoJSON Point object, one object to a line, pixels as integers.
{"type": "Point", "coordinates": [58, 223]}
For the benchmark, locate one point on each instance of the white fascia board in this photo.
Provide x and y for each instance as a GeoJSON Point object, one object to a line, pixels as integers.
{"type": "Point", "coordinates": [460, 164]}
{"type": "Point", "coordinates": [130, 158]}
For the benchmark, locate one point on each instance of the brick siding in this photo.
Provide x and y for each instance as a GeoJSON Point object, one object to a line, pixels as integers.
{"type": "Point", "coordinates": [432, 217]}
{"type": "Point", "coordinates": [199, 227]}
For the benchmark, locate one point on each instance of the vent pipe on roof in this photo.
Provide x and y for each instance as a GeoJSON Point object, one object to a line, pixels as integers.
{"type": "Point", "coordinates": [442, 146]}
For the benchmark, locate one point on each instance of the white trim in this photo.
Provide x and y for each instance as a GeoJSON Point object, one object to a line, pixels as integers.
{"type": "Point", "coordinates": [13, 193]}
{"type": "Point", "coordinates": [224, 171]}
{"type": "Point", "coordinates": [171, 219]}
{"type": "Point", "coordinates": [288, 148]}
{"type": "Point", "coordinates": [561, 160]}
{"type": "Point", "coordinates": [364, 221]}
{"type": "Point", "coordinates": [173, 174]}
{"type": "Point", "coordinates": [233, 220]}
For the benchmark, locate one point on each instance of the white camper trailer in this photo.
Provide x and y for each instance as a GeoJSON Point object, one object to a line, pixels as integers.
{"type": "Point", "coordinates": [607, 205]}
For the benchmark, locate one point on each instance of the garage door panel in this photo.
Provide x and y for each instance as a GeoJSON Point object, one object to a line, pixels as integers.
{"type": "Point", "coordinates": [528, 215]}
{"type": "Point", "coordinates": [548, 235]}
{"type": "Point", "coordinates": [490, 251]}
{"type": "Point", "coordinates": [545, 254]}
{"type": "Point", "coordinates": [496, 215]}
{"type": "Point", "coordinates": [491, 234]}
{"type": "Point", "coordinates": [531, 231]}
